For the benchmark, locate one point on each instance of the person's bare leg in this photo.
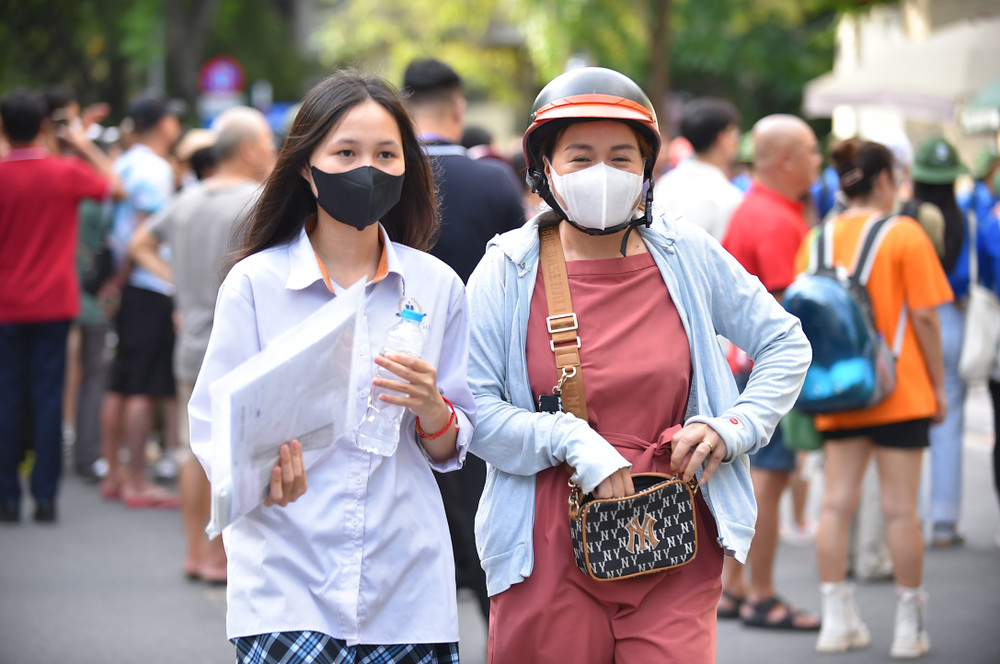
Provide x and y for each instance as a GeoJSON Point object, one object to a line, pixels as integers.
{"type": "Point", "coordinates": [71, 381]}
{"type": "Point", "coordinates": [733, 589]}
{"type": "Point", "coordinates": [111, 438]}
{"type": "Point", "coordinates": [138, 421]}
{"type": "Point", "coordinates": [768, 485]}
{"type": "Point", "coordinates": [170, 413]}
{"type": "Point", "coordinates": [800, 494]}
{"type": "Point", "coordinates": [844, 467]}
{"type": "Point", "coordinates": [899, 478]}
{"type": "Point", "coordinates": [205, 558]}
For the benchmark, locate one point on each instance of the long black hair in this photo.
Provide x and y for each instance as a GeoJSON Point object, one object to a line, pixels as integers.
{"type": "Point", "coordinates": [943, 196]}
{"type": "Point", "coordinates": [287, 200]}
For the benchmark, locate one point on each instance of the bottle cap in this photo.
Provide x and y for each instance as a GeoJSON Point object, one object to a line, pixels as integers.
{"type": "Point", "coordinates": [410, 314]}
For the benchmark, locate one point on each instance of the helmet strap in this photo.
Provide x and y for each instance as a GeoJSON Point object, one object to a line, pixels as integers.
{"type": "Point", "coordinates": [646, 219]}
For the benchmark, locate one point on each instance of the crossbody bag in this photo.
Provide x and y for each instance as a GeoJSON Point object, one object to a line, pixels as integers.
{"type": "Point", "coordinates": [654, 529]}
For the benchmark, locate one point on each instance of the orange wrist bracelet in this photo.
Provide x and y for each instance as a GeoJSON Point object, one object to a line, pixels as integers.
{"type": "Point", "coordinates": [452, 418]}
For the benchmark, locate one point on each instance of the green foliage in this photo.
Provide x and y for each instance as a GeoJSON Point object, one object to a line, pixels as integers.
{"type": "Point", "coordinates": [102, 49]}
{"type": "Point", "coordinates": [759, 53]}
{"type": "Point", "coordinates": [84, 44]}
{"type": "Point", "coordinates": [383, 37]}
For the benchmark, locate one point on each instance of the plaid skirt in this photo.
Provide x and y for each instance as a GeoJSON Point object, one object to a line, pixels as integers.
{"type": "Point", "coordinates": [317, 648]}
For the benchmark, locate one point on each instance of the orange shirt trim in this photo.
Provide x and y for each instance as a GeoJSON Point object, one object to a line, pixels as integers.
{"type": "Point", "coordinates": [380, 272]}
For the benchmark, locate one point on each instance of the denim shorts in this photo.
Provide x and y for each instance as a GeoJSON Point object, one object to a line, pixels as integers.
{"type": "Point", "coordinates": [775, 456]}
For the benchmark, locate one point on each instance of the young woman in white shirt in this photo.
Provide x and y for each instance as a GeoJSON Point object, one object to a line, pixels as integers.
{"type": "Point", "coordinates": [359, 564]}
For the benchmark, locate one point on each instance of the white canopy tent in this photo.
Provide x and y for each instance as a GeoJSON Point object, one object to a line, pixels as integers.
{"type": "Point", "coordinates": [925, 81]}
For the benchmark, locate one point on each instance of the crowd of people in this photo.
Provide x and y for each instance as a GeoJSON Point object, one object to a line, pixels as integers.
{"type": "Point", "coordinates": [140, 263]}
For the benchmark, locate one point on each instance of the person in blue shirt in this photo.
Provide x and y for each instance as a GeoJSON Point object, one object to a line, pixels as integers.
{"type": "Point", "coordinates": [984, 195]}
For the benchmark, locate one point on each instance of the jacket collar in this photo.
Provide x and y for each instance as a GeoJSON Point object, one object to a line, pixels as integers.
{"type": "Point", "coordinates": [521, 244]}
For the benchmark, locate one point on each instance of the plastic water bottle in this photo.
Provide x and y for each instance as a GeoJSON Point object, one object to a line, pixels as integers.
{"type": "Point", "coordinates": [379, 430]}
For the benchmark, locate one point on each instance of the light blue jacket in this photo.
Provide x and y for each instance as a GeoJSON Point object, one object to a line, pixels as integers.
{"type": "Point", "coordinates": [714, 296]}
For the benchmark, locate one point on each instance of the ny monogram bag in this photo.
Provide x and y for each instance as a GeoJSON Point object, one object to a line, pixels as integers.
{"type": "Point", "coordinates": [653, 530]}
{"type": "Point", "coordinates": [613, 538]}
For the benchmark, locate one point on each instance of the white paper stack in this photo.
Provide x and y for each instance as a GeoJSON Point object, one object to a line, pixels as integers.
{"type": "Point", "coordinates": [300, 386]}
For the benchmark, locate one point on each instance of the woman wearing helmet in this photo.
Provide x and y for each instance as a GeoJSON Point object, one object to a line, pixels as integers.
{"type": "Point", "coordinates": [650, 297]}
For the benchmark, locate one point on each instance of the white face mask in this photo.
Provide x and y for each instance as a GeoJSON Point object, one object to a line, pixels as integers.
{"type": "Point", "coordinates": [599, 196]}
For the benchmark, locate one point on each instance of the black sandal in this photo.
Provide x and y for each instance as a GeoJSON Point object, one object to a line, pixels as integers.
{"type": "Point", "coordinates": [761, 610]}
{"type": "Point", "coordinates": [729, 613]}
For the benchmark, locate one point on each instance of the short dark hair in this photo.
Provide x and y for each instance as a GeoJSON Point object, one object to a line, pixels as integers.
{"type": "Point", "coordinates": [57, 97]}
{"type": "Point", "coordinates": [428, 80]}
{"type": "Point", "coordinates": [147, 110]}
{"type": "Point", "coordinates": [704, 119]}
{"type": "Point", "coordinates": [23, 112]}
{"type": "Point", "coordinates": [287, 200]}
{"type": "Point", "coordinates": [473, 136]}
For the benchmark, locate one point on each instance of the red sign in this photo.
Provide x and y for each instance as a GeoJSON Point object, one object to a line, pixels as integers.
{"type": "Point", "coordinates": [221, 74]}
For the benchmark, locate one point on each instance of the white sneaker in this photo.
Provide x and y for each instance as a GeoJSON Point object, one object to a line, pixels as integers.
{"type": "Point", "coordinates": [841, 628]}
{"type": "Point", "coordinates": [166, 469]}
{"type": "Point", "coordinates": [910, 638]}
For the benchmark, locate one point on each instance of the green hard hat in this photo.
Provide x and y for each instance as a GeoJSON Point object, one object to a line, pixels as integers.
{"type": "Point", "coordinates": [936, 162]}
{"type": "Point", "coordinates": [984, 160]}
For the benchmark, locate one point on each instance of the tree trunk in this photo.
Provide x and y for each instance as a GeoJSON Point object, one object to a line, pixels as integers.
{"type": "Point", "coordinates": [187, 26]}
{"type": "Point", "coordinates": [659, 65]}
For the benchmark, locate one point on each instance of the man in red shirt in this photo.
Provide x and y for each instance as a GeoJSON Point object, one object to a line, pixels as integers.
{"type": "Point", "coordinates": [764, 236]}
{"type": "Point", "coordinates": [39, 294]}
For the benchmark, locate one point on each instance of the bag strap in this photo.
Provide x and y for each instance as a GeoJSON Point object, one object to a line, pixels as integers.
{"type": "Point", "coordinates": [562, 322]}
{"type": "Point", "coordinates": [872, 236]}
{"type": "Point", "coordinates": [973, 230]}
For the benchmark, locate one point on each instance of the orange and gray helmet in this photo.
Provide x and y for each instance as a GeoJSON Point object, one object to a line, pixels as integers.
{"type": "Point", "coordinates": [585, 95]}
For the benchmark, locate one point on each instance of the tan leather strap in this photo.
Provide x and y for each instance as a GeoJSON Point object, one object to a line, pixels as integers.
{"type": "Point", "coordinates": [562, 321]}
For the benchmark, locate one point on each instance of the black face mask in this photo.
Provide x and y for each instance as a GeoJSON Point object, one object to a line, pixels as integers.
{"type": "Point", "coordinates": [357, 198]}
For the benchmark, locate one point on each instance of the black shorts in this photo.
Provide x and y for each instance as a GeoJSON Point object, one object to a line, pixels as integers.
{"type": "Point", "coordinates": [911, 433]}
{"type": "Point", "coordinates": [144, 361]}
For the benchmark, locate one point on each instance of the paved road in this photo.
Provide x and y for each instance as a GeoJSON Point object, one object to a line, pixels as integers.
{"type": "Point", "coordinates": [104, 587]}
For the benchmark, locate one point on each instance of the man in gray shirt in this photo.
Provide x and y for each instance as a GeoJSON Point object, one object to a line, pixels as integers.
{"type": "Point", "coordinates": [199, 226]}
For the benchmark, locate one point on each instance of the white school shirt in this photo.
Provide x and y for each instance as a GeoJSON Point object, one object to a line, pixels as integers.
{"type": "Point", "coordinates": [364, 555]}
{"type": "Point", "coordinates": [700, 193]}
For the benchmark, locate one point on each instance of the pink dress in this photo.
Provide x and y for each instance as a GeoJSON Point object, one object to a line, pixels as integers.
{"type": "Point", "coordinates": [636, 368]}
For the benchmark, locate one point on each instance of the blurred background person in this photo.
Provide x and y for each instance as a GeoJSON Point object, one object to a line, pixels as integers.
{"type": "Point", "coordinates": [196, 156]}
{"type": "Point", "coordinates": [764, 235]}
{"type": "Point", "coordinates": [477, 199]}
{"type": "Point", "coordinates": [983, 196]}
{"type": "Point", "coordinates": [936, 167]}
{"type": "Point", "coordinates": [906, 287]}
{"type": "Point", "coordinates": [478, 142]}
{"type": "Point", "coordinates": [698, 188]}
{"type": "Point", "coordinates": [142, 371]}
{"type": "Point", "coordinates": [89, 349]}
{"type": "Point", "coordinates": [199, 227]}
{"type": "Point", "coordinates": [39, 292]}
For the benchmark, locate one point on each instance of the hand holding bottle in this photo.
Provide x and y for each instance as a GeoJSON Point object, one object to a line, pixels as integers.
{"type": "Point", "coordinates": [417, 390]}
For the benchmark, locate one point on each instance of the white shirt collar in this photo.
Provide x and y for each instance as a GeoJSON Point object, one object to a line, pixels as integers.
{"type": "Point", "coordinates": [303, 268]}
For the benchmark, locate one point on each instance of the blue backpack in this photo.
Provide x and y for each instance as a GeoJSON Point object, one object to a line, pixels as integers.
{"type": "Point", "coordinates": [852, 366]}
